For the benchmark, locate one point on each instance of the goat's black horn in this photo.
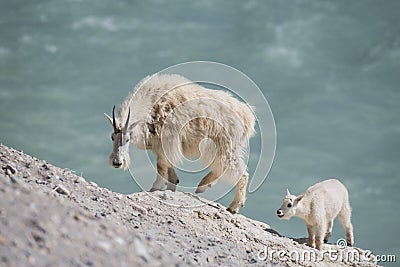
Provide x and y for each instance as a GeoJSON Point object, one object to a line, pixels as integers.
{"type": "Point", "coordinates": [127, 120]}
{"type": "Point", "coordinates": [114, 124]}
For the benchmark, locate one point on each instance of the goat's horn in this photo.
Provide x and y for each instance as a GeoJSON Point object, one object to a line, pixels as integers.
{"type": "Point", "coordinates": [109, 118]}
{"type": "Point", "coordinates": [113, 119]}
{"type": "Point", "coordinates": [127, 120]}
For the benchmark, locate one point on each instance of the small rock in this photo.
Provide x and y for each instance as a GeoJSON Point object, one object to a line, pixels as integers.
{"type": "Point", "coordinates": [164, 196]}
{"type": "Point", "coordinates": [39, 239]}
{"type": "Point", "coordinates": [93, 184]}
{"type": "Point", "coordinates": [45, 166]}
{"type": "Point", "coordinates": [157, 211]}
{"type": "Point", "coordinates": [61, 189]}
{"type": "Point", "coordinates": [252, 261]}
{"type": "Point", "coordinates": [217, 215]}
{"type": "Point", "coordinates": [10, 169]}
{"type": "Point", "coordinates": [141, 249]}
{"type": "Point", "coordinates": [2, 240]}
{"type": "Point", "coordinates": [13, 180]}
{"type": "Point", "coordinates": [38, 181]}
{"type": "Point", "coordinates": [119, 240]}
{"type": "Point", "coordinates": [199, 214]}
{"type": "Point", "coordinates": [141, 209]}
{"type": "Point", "coordinates": [31, 260]}
{"type": "Point", "coordinates": [210, 259]}
{"type": "Point", "coordinates": [106, 246]}
{"type": "Point", "coordinates": [236, 223]}
{"type": "Point", "coordinates": [213, 240]}
{"type": "Point", "coordinates": [223, 255]}
{"type": "Point", "coordinates": [136, 224]}
{"type": "Point", "coordinates": [79, 180]}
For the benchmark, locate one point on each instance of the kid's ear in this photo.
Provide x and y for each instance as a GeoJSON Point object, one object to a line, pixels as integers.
{"type": "Point", "coordinates": [297, 200]}
{"type": "Point", "coordinates": [287, 192]}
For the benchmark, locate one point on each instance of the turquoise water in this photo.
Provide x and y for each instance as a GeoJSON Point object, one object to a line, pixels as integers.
{"type": "Point", "coordinates": [329, 69]}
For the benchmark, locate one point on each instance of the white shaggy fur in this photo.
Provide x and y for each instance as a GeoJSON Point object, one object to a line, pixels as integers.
{"type": "Point", "coordinates": [318, 207]}
{"type": "Point", "coordinates": [174, 117]}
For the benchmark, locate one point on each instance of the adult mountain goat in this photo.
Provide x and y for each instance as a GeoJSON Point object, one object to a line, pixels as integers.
{"type": "Point", "coordinates": [175, 118]}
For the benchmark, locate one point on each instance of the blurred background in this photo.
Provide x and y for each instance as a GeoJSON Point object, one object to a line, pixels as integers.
{"type": "Point", "coordinates": [330, 71]}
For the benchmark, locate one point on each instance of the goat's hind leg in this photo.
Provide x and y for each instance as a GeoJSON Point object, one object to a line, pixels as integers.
{"type": "Point", "coordinates": [240, 194]}
{"type": "Point", "coordinates": [345, 220]}
{"type": "Point", "coordinates": [206, 182]}
{"type": "Point", "coordinates": [328, 231]}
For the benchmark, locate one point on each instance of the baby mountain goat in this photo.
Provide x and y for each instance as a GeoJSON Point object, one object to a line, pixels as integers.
{"type": "Point", "coordinates": [175, 118]}
{"type": "Point", "coordinates": [318, 207]}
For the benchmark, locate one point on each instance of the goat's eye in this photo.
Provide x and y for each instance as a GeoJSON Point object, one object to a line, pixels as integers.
{"type": "Point", "coordinates": [127, 140]}
{"type": "Point", "coordinates": [112, 137]}
{"type": "Point", "coordinates": [289, 205]}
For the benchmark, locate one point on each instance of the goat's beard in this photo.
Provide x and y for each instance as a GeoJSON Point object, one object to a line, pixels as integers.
{"type": "Point", "coordinates": [125, 165]}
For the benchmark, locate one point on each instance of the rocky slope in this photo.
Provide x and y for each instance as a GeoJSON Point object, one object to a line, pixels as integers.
{"type": "Point", "coordinates": [51, 217]}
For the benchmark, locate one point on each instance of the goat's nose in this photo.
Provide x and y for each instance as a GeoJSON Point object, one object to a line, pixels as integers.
{"type": "Point", "coordinates": [279, 212]}
{"type": "Point", "coordinates": [117, 164]}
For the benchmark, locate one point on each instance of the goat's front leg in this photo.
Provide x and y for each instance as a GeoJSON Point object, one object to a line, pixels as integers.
{"type": "Point", "coordinates": [162, 174]}
{"type": "Point", "coordinates": [173, 179]}
{"type": "Point", "coordinates": [311, 236]}
{"type": "Point", "coordinates": [320, 231]}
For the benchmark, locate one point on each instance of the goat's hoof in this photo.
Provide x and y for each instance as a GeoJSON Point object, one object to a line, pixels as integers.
{"type": "Point", "coordinates": [311, 245]}
{"type": "Point", "coordinates": [200, 189]}
{"type": "Point", "coordinates": [171, 187]}
{"type": "Point", "coordinates": [325, 241]}
{"type": "Point", "coordinates": [233, 210]}
{"type": "Point", "coordinates": [154, 189]}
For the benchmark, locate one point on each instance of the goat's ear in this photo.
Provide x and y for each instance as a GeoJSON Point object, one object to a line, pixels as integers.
{"type": "Point", "coordinates": [297, 200]}
{"type": "Point", "coordinates": [133, 125]}
{"type": "Point", "coordinates": [109, 119]}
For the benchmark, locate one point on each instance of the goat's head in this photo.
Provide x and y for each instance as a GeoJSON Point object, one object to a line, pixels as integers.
{"type": "Point", "coordinates": [120, 137]}
{"type": "Point", "coordinates": [289, 206]}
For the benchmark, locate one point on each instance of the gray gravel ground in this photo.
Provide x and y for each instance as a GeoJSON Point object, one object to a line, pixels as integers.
{"type": "Point", "coordinates": [51, 217]}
